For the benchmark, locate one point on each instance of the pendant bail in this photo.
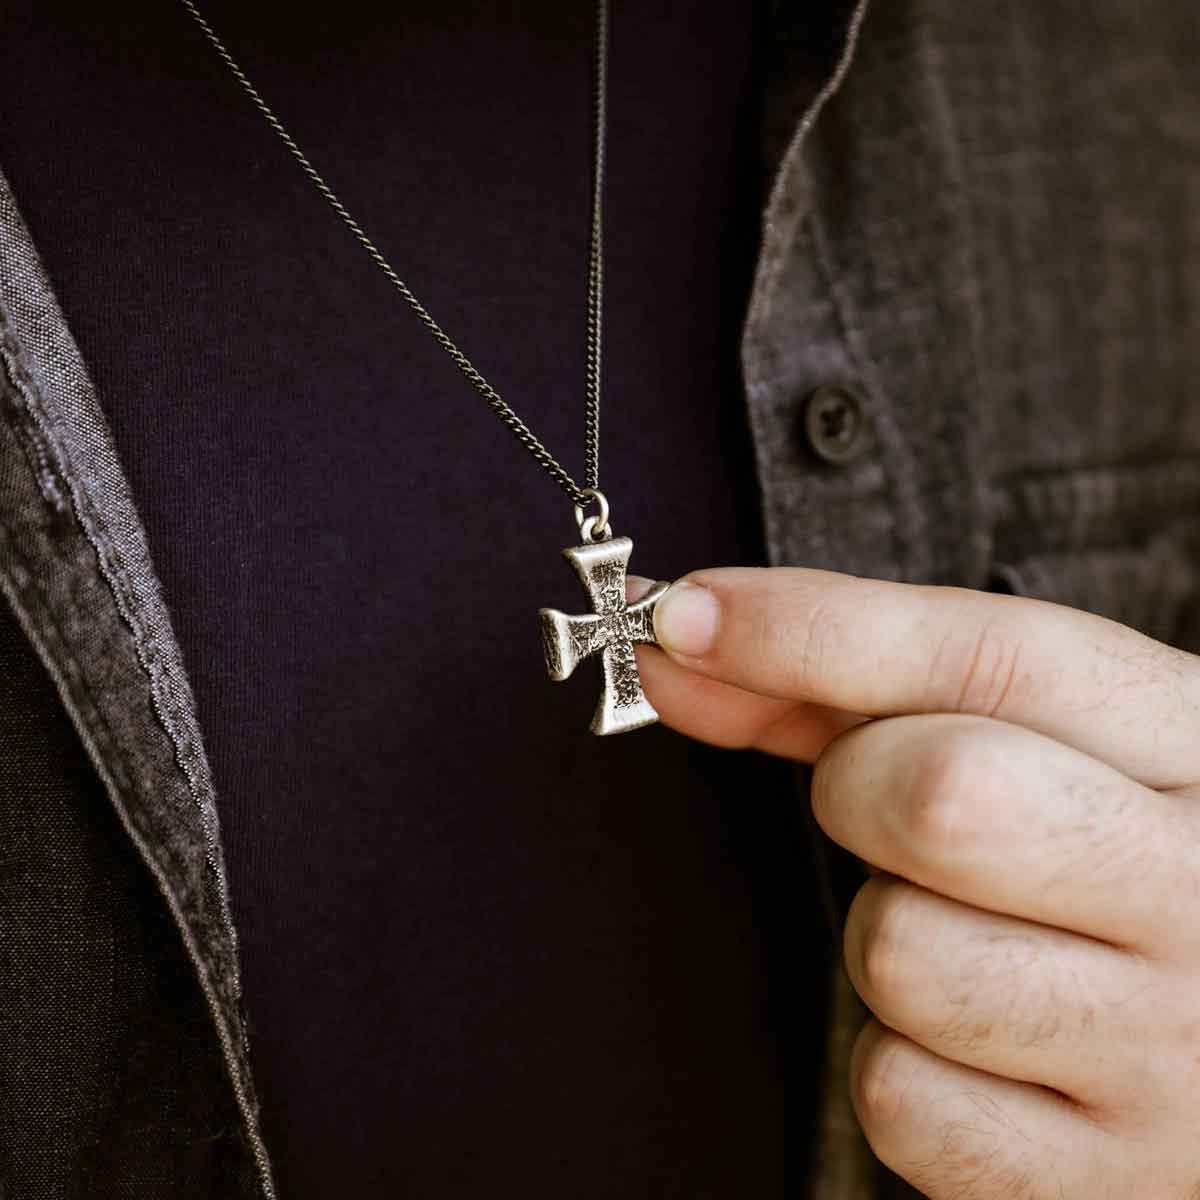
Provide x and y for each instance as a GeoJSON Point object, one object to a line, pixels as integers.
{"type": "Point", "coordinates": [596, 527]}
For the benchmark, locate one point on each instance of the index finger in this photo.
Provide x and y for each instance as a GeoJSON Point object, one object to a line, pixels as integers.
{"type": "Point", "coordinates": [887, 649]}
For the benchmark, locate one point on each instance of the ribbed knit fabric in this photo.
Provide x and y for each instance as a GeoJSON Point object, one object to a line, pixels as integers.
{"type": "Point", "coordinates": [481, 949]}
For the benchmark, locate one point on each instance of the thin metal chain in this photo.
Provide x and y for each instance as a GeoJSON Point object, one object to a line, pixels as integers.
{"type": "Point", "coordinates": [595, 293]}
{"type": "Point", "coordinates": [595, 315]}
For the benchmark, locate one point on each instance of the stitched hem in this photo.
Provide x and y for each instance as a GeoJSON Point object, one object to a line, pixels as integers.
{"type": "Point", "coordinates": [76, 571]}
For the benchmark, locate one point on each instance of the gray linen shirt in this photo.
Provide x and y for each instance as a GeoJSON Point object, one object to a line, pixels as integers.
{"type": "Point", "coordinates": [984, 225]}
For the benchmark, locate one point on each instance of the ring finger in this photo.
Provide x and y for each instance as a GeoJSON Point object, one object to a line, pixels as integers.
{"type": "Point", "coordinates": [1025, 1001]}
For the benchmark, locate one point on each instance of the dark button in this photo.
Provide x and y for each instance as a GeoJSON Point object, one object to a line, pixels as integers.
{"type": "Point", "coordinates": [835, 423]}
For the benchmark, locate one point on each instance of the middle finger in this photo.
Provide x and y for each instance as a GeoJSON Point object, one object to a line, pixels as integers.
{"type": "Point", "coordinates": [1005, 819]}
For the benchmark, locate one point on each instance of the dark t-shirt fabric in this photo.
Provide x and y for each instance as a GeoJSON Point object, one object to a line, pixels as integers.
{"type": "Point", "coordinates": [482, 949]}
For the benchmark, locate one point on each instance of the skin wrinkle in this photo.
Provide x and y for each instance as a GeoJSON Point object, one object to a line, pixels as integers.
{"type": "Point", "coordinates": [1126, 675]}
{"type": "Point", "coordinates": [812, 652]}
{"type": "Point", "coordinates": [1034, 1019]}
{"type": "Point", "coordinates": [932, 693]}
{"type": "Point", "coordinates": [1010, 681]}
{"type": "Point", "coordinates": [1098, 848]}
{"type": "Point", "coordinates": [990, 673]}
{"type": "Point", "coordinates": [1087, 1021]}
{"type": "Point", "coordinates": [1014, 1183]}
{"type": "Point", "coordinates": [1030, 1018]}
{"type": "Point", "coordinates": [1131, 681]}
{"type": "Point", "coordinates": [971, 675]}
{"type": "Point", "coordinates": [1177, 671]}
{"type": "Point", "coordinates": [767, 636]}
{"type": "Point", "coordinates": [990, 1108]}
{"type": "Point", "coordinates": [1108, 852]}
{"type": "Point", "coordinates": [910, 1082]}
{"type": "Point", "coordinates": [1180, 668]}
{"type": "Point", "coordinates": [760, 738]}
{"type": "Point", "coordinates": [961, 1160]}
{"type": "Point", "coordinates": [780, 621]}
{"type": "Point", "coordinates": [961, 1151]}
{"type": "Point", "coordinates": [1032, 1012]}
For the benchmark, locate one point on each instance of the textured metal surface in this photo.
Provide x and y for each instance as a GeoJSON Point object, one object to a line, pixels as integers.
{"type": "Point", "coordinates": [611, 631]}
{"type": "Point", "coordinates": [595, 285]}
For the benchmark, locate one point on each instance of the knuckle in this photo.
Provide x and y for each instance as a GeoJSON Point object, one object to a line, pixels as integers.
{"type": "Point", "coordinates": [877, 942]}
{"type": "Point", "coordinates": [883, 1074]}
{"type": "Point", "coordinates": [939, 810]}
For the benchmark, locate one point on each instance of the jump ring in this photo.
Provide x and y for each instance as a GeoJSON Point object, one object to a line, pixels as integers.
{"type": "Point", "coordinates": [589, 526]}
{"type": "Point", "coordinates": [592, 531]}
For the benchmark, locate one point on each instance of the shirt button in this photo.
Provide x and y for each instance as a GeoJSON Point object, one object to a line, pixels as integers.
{"type": "Point", "coordinates": [835, 424]}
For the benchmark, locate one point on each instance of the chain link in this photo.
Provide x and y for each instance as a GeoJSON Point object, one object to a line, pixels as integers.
{"type": "Point", "coordinates": [595, 290]}
{"type": "Point", "coordinates": [595, 315]}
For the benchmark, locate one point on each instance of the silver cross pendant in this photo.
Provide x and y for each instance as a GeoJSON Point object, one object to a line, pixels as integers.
{"type": "Point", "coordinates": [611, 631]}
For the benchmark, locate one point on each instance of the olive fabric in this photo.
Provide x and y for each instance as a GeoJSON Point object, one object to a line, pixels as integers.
{"type": "Point", "coordinates": [979, 227]}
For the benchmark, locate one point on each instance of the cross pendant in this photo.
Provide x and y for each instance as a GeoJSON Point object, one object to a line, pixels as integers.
{"type": "Point", "coordinates": [612, 631]}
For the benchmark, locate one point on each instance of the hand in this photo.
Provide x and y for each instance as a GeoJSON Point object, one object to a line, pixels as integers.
{"type": "Point", "coordinates": [1028, 791]}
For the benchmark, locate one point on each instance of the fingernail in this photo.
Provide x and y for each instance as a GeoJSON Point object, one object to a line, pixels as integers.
{"type": "Point", "coordinates": [685, 619]}
{"type": "Point", "coordinates": [636, 586]}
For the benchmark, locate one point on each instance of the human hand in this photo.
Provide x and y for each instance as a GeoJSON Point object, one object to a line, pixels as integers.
{"type": "Point", "coordinates": [1029, 791]}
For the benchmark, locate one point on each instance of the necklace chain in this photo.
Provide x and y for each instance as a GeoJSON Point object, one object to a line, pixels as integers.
{"type": "Point", "coordinates": [595, 289]}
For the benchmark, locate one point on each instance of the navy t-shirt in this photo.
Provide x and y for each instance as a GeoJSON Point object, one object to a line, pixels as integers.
{"type": "Point", "coordinates": [484, 952]}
